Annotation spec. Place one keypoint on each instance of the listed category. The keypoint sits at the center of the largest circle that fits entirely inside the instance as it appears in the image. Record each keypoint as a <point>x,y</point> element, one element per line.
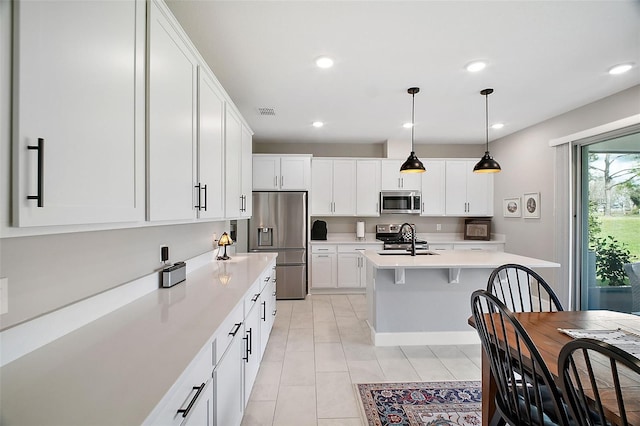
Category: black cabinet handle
<point>235,329</point>
<point>250,342</point>
<point>264,311</point>
<point>40,149</point>
<point>255,297</point>
<point>185,411</point>
<point>246,357</point>
<point>200,205</point>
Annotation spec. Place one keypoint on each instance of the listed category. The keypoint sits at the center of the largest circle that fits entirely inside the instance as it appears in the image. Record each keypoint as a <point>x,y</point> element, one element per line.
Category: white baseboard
<point>26,337</point>
<point>424,338</point>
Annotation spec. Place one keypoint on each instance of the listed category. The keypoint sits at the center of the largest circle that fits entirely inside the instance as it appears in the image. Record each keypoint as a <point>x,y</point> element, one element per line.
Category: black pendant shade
<point>413,164</point>
<point>487,164</point>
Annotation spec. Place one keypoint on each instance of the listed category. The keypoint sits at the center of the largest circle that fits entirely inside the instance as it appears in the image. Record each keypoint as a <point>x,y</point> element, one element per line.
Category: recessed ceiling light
<point>497,126</point>
<point>407,125</point>
<point>324,62</point>
<point>476,66</point>
<point>620,69</point>
<point>317,124</point>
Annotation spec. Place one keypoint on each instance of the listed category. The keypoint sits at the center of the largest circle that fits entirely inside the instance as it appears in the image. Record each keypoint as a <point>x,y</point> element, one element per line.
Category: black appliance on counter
<point>393,239</point>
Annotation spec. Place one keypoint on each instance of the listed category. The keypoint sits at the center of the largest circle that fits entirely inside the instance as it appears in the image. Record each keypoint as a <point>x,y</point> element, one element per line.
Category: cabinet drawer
<point>350,248</point>
<point>224,335</point>
<point>324,248</point>
<point>252,296</point>
<point>186,392</point>
<point>486,247</point>
<point>440,246</point>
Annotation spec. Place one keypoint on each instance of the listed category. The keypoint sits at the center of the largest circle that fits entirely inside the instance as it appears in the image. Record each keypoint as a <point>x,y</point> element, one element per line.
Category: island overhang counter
<point>425,299</point>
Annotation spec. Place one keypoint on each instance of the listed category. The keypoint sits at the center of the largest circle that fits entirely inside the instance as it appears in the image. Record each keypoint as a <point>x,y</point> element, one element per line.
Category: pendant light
<point>487,164</point>
<point>413,164</point>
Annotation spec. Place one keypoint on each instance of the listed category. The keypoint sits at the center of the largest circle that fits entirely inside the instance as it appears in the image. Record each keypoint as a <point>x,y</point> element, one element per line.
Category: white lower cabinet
<point>267,310</point>
<point>324,266</point>
<point>352,265</point>
<point>189,400</point>
<point>251,355</point>
<point>228,399</point>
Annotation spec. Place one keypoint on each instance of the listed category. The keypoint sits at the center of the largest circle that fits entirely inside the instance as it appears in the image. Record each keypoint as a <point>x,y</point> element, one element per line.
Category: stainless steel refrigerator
<point>279,224</point>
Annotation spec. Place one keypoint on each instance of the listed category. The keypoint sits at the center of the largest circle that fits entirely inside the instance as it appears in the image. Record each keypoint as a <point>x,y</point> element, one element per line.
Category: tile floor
<point>320,347</point>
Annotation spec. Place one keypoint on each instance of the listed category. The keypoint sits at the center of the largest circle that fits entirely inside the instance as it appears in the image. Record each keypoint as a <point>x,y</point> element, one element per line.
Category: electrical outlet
<point>438,227</point>
<point>164,253</point>
<point>4,295</point>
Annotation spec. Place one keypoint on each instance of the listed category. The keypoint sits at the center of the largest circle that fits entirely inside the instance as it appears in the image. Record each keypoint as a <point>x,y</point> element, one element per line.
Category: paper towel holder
<point>360,230</point>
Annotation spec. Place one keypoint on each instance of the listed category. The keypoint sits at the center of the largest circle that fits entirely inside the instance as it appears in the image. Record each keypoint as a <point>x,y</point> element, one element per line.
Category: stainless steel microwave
<point>400,202</point>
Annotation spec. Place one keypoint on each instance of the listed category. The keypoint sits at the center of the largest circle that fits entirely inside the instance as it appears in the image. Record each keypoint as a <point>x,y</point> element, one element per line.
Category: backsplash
<point>423,224</point>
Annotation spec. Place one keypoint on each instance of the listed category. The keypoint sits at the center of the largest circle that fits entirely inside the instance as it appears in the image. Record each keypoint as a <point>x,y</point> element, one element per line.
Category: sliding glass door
<point>609,222</point>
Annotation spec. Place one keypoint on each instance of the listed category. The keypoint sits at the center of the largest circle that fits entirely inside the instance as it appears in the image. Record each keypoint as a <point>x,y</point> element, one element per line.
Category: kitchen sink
<point>406,253</point>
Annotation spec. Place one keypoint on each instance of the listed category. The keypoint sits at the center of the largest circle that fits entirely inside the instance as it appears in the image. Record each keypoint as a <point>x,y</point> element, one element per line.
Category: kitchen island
<point>425,299</point>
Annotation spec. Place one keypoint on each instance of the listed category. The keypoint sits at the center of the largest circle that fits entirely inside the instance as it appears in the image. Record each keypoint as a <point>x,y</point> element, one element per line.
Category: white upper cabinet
<point>333,187</point>
<point>281,173</point>
<point>368,187</point>
<point>468,193</point>
<point>172,120</point>
<point>392,179</point>
<point>210,185</point>
<point>79,87</point>
<point>433,188</point>
<point>238,169</point>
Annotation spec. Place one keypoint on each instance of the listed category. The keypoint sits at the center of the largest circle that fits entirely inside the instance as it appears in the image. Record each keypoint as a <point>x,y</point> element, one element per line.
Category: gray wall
<point>529,164</point>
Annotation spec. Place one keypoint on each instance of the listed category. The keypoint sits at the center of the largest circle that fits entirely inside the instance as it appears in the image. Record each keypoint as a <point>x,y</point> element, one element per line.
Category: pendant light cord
<point>486,110</point>
<point>413,117</point>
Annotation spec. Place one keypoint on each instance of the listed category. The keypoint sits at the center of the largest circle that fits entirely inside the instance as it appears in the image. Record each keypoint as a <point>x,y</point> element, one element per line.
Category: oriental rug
<point>421,403</point>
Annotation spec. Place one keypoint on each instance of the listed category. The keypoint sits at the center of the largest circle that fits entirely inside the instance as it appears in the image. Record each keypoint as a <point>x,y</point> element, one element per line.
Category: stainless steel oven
<point>400,202</point>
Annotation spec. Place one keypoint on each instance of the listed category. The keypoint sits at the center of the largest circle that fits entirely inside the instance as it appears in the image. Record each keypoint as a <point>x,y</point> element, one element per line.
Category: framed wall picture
<point>511,207</point>
<point>477,229</point>
<point>531,205</point>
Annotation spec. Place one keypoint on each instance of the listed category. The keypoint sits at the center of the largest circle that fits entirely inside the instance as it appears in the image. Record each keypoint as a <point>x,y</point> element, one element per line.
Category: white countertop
<point>436,238</point>
<point>462,259</point>
<point>115,370</point>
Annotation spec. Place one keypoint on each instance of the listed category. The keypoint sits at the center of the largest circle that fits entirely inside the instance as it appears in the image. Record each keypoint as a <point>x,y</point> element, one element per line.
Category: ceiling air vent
<point>267,111</point>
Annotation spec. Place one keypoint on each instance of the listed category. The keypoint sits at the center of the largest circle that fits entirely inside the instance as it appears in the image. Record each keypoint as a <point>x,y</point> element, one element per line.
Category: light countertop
<point>445,259</point>
<point>115,370</point>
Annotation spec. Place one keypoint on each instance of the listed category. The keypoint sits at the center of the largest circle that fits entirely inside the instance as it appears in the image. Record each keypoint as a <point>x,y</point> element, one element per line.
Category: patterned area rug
<point>421,403</point>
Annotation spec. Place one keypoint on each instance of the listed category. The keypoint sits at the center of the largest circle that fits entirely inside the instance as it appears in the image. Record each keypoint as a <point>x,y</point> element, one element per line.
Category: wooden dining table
<point>543,327</point>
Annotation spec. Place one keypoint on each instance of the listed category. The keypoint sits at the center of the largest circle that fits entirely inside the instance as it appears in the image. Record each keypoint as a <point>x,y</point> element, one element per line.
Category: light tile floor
<point>319,347</point>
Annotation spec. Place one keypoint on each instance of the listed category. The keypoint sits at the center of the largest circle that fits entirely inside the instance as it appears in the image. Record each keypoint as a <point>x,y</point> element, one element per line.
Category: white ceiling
<point>544,58</point>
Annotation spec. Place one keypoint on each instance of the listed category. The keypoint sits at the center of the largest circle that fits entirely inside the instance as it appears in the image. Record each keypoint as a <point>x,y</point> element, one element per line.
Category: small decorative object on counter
<point>174,274</point>
<point>319,230</point>
<point>224,241</point>
<point>477,229</point>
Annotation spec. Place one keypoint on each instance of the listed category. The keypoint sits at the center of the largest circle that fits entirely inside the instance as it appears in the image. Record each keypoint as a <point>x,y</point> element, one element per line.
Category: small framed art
<point>477,229</point>
<point>511,207</point>
<point>531,205</point>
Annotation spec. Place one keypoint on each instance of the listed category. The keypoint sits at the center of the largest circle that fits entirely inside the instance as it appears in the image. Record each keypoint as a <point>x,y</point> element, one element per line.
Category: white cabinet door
<point>210,149</point>
<point>392,179</point>
<point>467,193</point>
<point>368,187</point>
<point>246,184</point>
<point>479,192</point>
<point>344,187</point>
<point>251,355</point>
<point>266,173</point>
<point>233,165</point>
<point>323,270</point>
<point>349,269</point>
<point>322,188</point>
<point>295,173</point>
<point>228,385</point>
<point>88,108</point>
<point>433,188</point>
<point>172,130</point>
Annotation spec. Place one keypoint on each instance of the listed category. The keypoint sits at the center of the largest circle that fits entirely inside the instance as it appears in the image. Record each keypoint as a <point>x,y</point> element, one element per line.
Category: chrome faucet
<point>413,236</point>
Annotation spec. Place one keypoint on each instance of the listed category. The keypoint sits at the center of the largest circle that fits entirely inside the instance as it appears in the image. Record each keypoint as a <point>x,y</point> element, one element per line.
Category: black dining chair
<point>526,391</point>
<point>522,289</point>
<point>585,386</point>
